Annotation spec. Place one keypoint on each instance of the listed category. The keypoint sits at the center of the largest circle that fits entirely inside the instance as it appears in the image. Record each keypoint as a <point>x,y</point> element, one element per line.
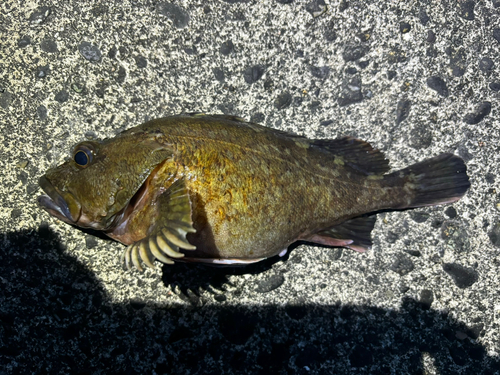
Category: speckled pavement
<point>414,78</point>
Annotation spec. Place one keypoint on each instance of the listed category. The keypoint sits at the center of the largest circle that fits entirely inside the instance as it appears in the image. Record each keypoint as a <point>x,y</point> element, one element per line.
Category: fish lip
<point>54,203</point>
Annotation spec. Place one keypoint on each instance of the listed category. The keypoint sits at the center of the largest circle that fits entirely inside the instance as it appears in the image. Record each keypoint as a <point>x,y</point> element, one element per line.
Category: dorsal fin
<point>356,153</point>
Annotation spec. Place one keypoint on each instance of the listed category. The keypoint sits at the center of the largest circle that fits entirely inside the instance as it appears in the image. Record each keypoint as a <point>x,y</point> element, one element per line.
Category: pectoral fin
<point>169,233</point>
<point>354,234</point>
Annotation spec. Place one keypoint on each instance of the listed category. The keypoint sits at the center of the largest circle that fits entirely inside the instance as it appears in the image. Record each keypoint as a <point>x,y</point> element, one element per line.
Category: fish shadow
<point>55,317</point>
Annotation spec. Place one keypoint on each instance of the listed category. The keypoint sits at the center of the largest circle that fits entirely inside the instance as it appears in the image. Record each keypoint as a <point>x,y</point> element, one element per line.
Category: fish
<point>217,189</point>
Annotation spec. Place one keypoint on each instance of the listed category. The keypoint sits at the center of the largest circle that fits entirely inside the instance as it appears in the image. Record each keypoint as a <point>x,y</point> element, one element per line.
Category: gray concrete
<point>424,300</point>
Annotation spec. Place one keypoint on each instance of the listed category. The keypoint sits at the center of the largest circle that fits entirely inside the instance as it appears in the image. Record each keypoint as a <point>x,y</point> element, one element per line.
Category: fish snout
<point>62,205</point>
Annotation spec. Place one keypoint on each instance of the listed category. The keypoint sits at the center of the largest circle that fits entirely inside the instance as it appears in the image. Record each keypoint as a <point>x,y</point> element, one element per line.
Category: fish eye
<point>83,156</point>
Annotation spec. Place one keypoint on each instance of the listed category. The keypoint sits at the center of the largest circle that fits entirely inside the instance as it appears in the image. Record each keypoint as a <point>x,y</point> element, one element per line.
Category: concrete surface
<point>414,78</point>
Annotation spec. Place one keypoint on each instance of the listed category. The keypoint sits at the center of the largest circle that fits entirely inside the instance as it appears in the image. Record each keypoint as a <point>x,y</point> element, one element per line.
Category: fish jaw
<point>62,205</point>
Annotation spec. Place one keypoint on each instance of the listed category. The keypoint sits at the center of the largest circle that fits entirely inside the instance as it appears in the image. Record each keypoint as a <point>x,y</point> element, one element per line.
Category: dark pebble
<point>413,253</point>
<point>219,74</point>
<point>48,45</point>
<point>41,111</point>
<point>330,35</point>
<point>42,71</point>
<point>431,36</point>
<point>15,213</point>
<point>283,101</point>
<point>226,48</point>
<point>426,299</point>
<point>179,16</point>
<point>92,135</point>
<point>402,110</point>
<point>363,64</point>
<point>486,64</point>
<point>253,74</point>
<point>495,86</point>
<point>391,74</point>
<point>122,74</point>
<point>350,93</point>
<point>451,212</point>
<point>402,265</point>
<point>112,52</point>
<point>257,118</point>
<point>270,283</point>
<point>351,70</point>
<point>90,52</point>
<point>496,3</point>
<point>438,84</point>
<point>458,62</point>
<point>490,178</point>
<point>40,15</point>
<point>316,8</point>
<point>496,34</point>
<point>404,27</point>
<point>285,1</point>
<point>466,10</point>
<point>141,61</point>
<point>220,297</point>
<point>137,304</point>
<point>5,99</point>
<point>436,223</point>
<point>326,122</point>
<point>24,41</point>
<point>420,217</point>
<point>479,114</point>
<point>420,137</point>
<point>423,16</point>
<point>62,96</point>
<point>320,71</point>
<point>353,53</point>
<point>123,51</point>
<point>494,235</point>
<point>392,237</point>
<point>463,277</point>
<point>344,4</point>
<point>90,242</point>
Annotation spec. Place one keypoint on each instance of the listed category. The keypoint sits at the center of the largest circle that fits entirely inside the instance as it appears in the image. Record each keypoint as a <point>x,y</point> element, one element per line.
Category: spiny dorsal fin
<point>358,154</point>
<point>169,233</point>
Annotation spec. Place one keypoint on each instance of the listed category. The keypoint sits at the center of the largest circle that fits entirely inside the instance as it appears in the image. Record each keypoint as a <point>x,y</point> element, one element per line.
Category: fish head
<point>96,185</point>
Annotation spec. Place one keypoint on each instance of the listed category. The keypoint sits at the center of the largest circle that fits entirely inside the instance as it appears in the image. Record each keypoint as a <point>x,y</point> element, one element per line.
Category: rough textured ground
<point>414,78</point>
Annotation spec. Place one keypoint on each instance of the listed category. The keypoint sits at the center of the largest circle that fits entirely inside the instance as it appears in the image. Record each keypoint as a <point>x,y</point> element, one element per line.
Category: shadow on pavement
<point>56,318</point>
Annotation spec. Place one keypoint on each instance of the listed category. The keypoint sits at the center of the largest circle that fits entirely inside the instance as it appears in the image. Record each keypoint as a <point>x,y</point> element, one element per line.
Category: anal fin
<point>354,234</point>
<point>168,235</point>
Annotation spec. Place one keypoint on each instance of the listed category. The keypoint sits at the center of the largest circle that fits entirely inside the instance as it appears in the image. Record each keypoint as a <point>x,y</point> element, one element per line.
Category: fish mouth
<point>63,205</point>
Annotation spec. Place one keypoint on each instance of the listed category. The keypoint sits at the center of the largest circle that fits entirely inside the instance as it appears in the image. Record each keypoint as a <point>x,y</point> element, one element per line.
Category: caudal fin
<point>438,180</point>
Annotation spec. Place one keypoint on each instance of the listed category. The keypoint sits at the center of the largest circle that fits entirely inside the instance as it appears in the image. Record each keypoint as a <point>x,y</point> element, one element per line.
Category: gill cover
<point>103,176</point>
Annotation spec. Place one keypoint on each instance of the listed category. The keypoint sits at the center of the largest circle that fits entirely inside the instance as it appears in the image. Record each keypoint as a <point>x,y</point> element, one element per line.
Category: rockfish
<point>219,190</point>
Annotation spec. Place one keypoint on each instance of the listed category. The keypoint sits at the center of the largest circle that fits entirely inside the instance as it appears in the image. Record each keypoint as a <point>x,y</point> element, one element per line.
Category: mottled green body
<point>255,190</point>
<point>218,188</point>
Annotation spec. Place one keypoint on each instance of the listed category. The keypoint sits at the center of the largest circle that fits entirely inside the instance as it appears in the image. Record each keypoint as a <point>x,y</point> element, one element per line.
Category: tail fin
<point>438,180</point>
